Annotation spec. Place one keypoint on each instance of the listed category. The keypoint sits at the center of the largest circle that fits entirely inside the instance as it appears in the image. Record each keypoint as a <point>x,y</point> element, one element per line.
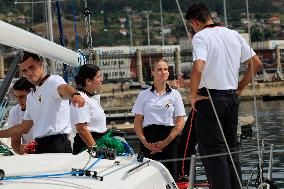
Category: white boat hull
<point>150,175</point>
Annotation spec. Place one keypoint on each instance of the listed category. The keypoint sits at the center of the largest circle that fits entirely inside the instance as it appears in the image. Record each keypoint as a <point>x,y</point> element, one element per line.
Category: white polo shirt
<point>159,109</point>
<point>91,113</point>
<point>15,118</point>
<point>49,112</point>
<point>223,50</point>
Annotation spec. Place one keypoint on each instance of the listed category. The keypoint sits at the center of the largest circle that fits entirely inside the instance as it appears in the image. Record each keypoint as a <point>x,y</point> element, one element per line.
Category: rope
<point>5,151</point>
<point>187,141</point>
<point>107,141</point>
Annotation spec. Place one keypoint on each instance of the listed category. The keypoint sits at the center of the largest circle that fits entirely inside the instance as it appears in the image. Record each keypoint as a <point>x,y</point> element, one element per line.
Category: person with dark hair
<point>21,89</point>
<point>89,122</point>
<point>159,118</point>
<point>47,108</point>
<point>217,55</point>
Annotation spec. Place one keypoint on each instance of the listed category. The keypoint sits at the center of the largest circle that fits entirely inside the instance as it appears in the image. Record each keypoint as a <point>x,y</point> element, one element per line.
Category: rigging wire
<point>260,160</point>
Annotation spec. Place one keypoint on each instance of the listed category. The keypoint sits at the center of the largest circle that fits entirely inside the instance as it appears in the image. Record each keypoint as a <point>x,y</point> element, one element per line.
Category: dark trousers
<point>155,133</point>
<point>191,146</point>
<point>79,144</point>
<point>219,170</point>
<point>53,144</point>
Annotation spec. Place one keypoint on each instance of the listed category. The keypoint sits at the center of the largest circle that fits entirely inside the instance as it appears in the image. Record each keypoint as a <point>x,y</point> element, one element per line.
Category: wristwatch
<point>76,93</point>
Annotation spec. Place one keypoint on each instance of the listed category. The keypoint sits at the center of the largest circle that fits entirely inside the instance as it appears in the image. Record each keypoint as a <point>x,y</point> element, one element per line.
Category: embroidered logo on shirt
<point>40,98</point>
<point>169,103</point>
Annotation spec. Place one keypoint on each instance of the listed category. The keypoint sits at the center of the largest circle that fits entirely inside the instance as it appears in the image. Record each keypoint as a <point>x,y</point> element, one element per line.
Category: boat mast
<point>162,24</point>
<point>247,10</point>
<point>225,13</point>
<point>130,30</point>
<point>148,36</point>
<point>10,75</point>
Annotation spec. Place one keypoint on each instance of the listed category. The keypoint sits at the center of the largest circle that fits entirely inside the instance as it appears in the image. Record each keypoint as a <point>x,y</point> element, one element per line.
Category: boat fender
<point>140,157</point>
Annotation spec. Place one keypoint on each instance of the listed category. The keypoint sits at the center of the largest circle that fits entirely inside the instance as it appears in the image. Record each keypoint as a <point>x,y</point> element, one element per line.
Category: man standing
<point>217,54</point>
<point>47,108</point>
<point>21,89</point>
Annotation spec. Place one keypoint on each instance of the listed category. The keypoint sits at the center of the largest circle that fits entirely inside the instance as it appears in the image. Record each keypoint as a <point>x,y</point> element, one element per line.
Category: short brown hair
<point>158,61</point>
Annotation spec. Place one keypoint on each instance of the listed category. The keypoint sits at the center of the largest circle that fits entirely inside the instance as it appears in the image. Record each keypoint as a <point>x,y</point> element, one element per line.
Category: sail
<point>21,39</point>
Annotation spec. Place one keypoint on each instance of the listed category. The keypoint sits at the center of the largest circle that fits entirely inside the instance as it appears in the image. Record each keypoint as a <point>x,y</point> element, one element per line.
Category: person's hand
<point>179,83</point>
<point>152,148</point>
<point>175,84</point>
<point>23,149</point>
<point>239,92</point>
<point>194,100</point>
<point>160,145</point>
<point>78,101</point>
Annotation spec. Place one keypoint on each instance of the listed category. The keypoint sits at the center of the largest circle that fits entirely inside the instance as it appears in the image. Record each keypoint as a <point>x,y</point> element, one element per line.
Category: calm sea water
<point>271,130</point>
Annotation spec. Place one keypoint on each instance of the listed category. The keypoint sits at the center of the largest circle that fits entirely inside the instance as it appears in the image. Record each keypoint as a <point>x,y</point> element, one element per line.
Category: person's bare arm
<point>16,144</point>
<point>17,130</point>
<point>195,78</point>
<point>85,134</point>
<point>67,92</point>
<point>138,120</point>
<point>254,65</point>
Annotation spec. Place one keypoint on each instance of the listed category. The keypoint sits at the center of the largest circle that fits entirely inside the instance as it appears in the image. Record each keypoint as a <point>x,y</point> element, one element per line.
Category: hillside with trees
<point>111,19</point>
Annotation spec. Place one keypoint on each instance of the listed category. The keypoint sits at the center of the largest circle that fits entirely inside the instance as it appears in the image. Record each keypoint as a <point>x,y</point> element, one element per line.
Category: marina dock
<point>245,123</point>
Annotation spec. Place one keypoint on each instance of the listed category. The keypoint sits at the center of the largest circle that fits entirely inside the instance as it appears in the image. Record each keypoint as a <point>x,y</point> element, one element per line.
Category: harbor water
<point>271,130</point>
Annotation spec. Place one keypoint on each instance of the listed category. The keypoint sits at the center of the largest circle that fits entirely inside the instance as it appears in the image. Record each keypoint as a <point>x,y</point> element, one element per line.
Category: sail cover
<point>21,39</point>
